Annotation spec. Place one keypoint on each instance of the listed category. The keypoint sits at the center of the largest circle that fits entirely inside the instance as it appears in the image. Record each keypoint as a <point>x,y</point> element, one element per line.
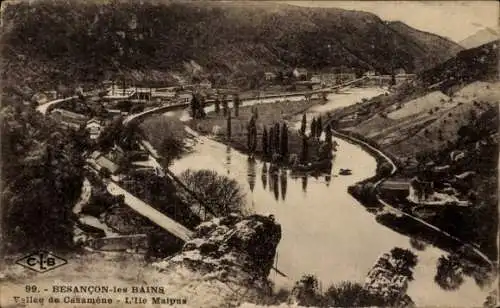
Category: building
<point>184,98</point>
<point>316,79</point>
<point>71,119</point>
<point>104,162</point>
<point>206,84</point>
<point>269,76</point>
<point>94,127</point>
<point>399,71</point>
<point>40,98</point>
<point>112,113</point>
<point>300,73</point>
<point>420,190</point>
<point>369,73</point>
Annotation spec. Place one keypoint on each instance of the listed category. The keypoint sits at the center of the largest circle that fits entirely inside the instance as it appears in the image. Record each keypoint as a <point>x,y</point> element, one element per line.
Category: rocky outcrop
<point>229,256</point>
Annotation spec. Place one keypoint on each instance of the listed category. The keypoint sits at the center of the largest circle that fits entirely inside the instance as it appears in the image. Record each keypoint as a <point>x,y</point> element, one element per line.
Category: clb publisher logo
<point>41,261</point>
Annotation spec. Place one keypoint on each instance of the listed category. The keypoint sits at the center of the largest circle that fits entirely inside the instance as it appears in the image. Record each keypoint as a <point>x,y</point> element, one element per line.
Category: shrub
<point>384,169</point>
<point>350,294</point>
<point>306,291</point>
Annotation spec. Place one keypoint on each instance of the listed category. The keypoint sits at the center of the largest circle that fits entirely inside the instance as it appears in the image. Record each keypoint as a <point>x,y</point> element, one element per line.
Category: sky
<point>455,20</point>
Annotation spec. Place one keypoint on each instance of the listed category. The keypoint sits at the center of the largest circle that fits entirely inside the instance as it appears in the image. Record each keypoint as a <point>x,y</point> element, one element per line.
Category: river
<point>325,231</point>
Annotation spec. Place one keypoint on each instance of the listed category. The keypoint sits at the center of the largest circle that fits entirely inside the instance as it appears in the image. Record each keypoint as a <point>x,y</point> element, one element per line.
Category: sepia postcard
<point>168,153</point>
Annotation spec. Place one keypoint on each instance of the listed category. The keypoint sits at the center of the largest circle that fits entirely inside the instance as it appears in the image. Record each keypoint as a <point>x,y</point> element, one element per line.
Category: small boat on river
<point>345,171</point>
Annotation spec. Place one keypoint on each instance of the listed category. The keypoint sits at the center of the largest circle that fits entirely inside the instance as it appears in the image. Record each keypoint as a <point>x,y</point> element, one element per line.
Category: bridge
<point>164,108</point>
<point>43,109</point>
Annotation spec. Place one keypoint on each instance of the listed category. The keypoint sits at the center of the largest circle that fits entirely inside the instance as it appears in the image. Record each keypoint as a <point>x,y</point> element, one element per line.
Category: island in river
<point>271,138</point>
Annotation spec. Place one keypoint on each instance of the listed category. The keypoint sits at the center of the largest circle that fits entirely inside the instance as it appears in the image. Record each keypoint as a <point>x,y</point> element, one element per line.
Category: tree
<point>255,112</point>
<point>195,106</point>
<point>276,140</point>
<point>349,294</point>
<point>217,105</point>
<point>405,261</point>
<point>384,169</point>
<point>201,108</point>
<point>221,193</point>
<point>319,127</point>
<point>270,141</point>
<point>449,273</point>
<point>303,125</point>
<point>284,141</point>
<point>105,173</point>
<point>236,104</point>
<point>328,135</point>
<point>225,105</point>
<point>251,135</point>
<point>313,127</point>
<point>265,144</point>
<point>40,183</point>
<point>306,291</point>
<point>228,130</point>
<point>304,150</point>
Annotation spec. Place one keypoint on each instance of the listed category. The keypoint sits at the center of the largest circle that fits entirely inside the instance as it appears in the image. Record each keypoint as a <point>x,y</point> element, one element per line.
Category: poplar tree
<point>277,138</point>
<point>195,104</point>
<point>303,154</point>
<point>228,127</point>
<point>236,104</point>
<point>265,144</point>
<point>252,135</point>
<point>319,127</point>
<point>217,105</point>
<point>225,106</point>
<point>313,128</point>
<point>303,125</point>
<point>270,141</point>
<point>284,141</point>
<point>328,134</point>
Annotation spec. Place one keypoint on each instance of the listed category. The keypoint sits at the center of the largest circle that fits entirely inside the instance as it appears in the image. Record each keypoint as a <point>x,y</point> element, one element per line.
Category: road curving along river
<point>325,231</point>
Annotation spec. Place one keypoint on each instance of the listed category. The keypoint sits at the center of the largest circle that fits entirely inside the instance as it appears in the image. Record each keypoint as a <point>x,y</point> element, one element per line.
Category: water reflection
<point>304,183</point>
<point>418,244</point>
<point>451,270</point>
<point>275,185</point>
<point>264,175</point>
<point>228,159</point>
<point>283,183</point>
<point>251,172</point>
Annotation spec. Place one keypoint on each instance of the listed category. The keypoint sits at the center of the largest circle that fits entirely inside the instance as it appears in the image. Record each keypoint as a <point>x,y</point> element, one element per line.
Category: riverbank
<point>445,139</point>
<point>366,192</point>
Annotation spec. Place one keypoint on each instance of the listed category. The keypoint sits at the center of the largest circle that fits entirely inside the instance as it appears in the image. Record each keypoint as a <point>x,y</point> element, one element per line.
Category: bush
<point>384,169</point>
<point>306,291</point>
<point>350,294</point>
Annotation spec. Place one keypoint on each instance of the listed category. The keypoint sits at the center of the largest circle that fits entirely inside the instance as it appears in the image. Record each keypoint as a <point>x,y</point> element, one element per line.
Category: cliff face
<point>226,263</point>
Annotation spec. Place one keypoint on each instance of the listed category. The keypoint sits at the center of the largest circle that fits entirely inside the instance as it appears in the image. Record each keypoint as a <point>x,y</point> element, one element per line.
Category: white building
<point>94,127</point>
<point>184,97</point>
<point>206,84</point>
<point>299,73</point>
